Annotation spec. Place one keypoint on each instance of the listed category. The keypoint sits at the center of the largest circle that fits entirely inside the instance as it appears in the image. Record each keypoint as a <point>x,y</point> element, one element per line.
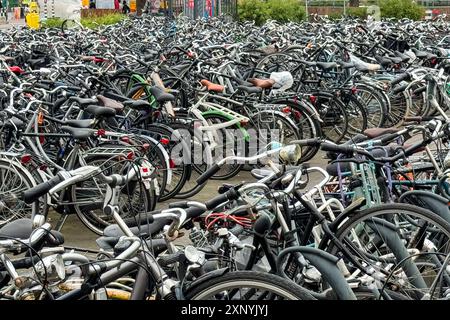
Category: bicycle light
<point>26,158</point>
<point>291,154</point>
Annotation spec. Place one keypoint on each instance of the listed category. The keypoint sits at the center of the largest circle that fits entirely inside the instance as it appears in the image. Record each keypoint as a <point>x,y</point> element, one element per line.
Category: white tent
<point>66,9</point>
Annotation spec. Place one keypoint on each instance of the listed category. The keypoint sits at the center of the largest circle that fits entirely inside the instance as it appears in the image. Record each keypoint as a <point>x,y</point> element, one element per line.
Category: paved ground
<point>12,23</point>
<point>76,234</point>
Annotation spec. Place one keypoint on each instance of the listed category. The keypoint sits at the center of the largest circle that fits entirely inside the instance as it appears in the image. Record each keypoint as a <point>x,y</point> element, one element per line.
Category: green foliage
<point>326,3</point>
<point>95,22</point>
<point>52,23</point>
<point>286,10</point>
<point>280,10</point>
<point>253,10</point>
<point>91,22</point>
<point>335,15</point>
<point>401,9</point>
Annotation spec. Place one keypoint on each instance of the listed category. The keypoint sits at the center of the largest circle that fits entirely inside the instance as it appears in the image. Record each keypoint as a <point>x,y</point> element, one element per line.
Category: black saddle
<point>250,90</point>
<point>78,133</point>
<point>160,95</point>
<point>101,112</point>
<point>82,124</point>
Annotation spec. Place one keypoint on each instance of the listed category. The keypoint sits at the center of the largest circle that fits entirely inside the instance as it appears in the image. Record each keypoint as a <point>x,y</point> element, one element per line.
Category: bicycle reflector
<point>101,132</point>
<point>171,164</point>
<point>130,155</point>
<point>16,69</point>
<point>354,90</point>
<point>26,158</point>
<point>286,110</point>
<point>243,123</point>
<point>125,139</point>
<point>164,141</point>
<point>313,99</point>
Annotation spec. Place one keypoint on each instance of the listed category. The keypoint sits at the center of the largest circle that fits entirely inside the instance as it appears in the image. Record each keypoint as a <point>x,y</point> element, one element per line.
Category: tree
<point>401,9</point>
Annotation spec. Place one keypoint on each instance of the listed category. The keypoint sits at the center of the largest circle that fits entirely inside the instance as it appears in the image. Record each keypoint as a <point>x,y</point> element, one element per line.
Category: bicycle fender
<point>327,266</point>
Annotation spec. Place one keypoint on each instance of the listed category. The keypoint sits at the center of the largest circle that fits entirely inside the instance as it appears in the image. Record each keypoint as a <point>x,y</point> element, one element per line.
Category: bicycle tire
<point>242,279</point>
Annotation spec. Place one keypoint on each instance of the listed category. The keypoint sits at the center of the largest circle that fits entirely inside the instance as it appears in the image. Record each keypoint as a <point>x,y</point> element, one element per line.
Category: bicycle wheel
<point>88,196</point>
<point>399,110</point>
<point>180,171</point>
<point>247,285</point>
<point>332,112</point>
<point>374,104</point>
<point>228,144</point>
<point>308,125</point>
<point>14,180</point>
<point>357,116</point>
<point>390,238</point>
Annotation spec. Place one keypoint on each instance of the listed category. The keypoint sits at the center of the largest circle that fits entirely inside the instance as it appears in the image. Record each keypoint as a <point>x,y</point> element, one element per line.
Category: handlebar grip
<point>38,191</point>
<point>389,137</point>
<point>400,89</point>
<point>179,204</point>
<point>336,148</point>
<point>194,212</point>
<point>231,194</point>
<point>413,119</point>
<point>419,119</point>
<point>208,174</point>
<point>420,90</point>
<point>400,78</point>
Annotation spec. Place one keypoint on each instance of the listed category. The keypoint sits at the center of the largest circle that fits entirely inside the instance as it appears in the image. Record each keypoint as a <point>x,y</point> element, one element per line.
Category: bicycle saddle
<point>101,112</point>
<point>83,101</point>
<point>110,103</point>
<point>249,90</point>
<point>83,124</point>
<point>376,132</point>
<point>262,83</point>
<point>160,95</point>
<point>148,229</point>
<point>23,228</point>
<point>326,66</point>
<point>242,82</point>
<point>346,65</point>
<point>367,67</point>
<point>384,61</point>
<point>396,60</point>
<point>14,123</point>
<point>419,54</point>
<point>404,57</point>
<point>212,86</point>
<point>6,58</point>
<point>77,133</point>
